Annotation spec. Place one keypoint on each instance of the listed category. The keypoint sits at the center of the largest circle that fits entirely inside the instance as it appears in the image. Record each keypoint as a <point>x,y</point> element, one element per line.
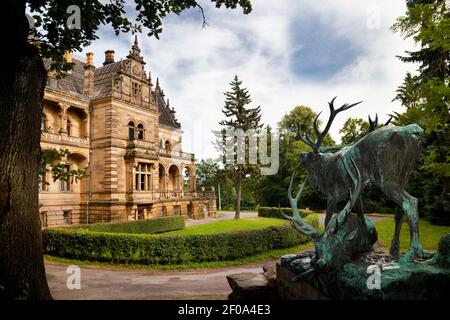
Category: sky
<point>287,53</point>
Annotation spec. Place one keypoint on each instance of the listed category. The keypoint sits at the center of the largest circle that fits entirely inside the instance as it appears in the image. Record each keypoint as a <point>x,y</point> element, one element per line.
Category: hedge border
<point>149,226</point>
<point>151,249</point>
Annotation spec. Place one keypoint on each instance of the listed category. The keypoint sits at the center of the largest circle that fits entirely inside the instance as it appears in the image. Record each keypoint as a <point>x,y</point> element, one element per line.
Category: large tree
<point>426,97</point>
<point>271,190</point>
<point>22,83</point>
<point>240,118</point>
<point>353,130</point>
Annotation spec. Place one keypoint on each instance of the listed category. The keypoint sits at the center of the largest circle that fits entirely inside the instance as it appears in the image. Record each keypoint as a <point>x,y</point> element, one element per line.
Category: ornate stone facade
<point>118,126</point>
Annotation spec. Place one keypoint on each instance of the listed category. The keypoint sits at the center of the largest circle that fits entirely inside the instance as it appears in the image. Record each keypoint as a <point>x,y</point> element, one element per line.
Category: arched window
<point>167,145</point>
<point>131,130</point>
<point>140,129</point>
<point>69,127</point>
<point>44,122</point>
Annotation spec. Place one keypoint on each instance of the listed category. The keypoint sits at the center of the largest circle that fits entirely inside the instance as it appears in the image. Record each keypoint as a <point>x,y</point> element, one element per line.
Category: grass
<point>227,226</point>
<point>429,234</point>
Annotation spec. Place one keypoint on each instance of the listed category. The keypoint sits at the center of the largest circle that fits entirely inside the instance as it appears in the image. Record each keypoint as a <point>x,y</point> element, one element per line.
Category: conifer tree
<point>239,116</point>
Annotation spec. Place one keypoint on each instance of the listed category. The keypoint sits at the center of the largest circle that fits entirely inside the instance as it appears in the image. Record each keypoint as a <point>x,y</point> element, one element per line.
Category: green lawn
<point>429,234</point>
<point>227,226</point>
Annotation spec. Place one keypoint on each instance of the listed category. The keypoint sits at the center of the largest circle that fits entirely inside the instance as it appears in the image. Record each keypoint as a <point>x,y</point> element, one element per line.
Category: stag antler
<point>296,220</point>
<point>373,124</point>
<point>321,135</point>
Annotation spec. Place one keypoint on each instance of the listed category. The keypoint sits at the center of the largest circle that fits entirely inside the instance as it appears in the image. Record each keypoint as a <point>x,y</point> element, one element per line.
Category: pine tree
<point>426,97</point>
<point>238,116</point>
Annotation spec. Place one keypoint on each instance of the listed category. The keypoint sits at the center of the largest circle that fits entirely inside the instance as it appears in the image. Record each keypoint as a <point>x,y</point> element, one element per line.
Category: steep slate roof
<point>103,79</point>
<point>74,82</point>
<point>166,117</point>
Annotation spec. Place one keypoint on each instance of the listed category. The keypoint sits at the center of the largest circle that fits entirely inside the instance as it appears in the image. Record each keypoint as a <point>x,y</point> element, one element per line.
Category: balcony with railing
<point>64,139</point>
<point>140,144</point>
<point>176,154</point>
<point>175,195</point>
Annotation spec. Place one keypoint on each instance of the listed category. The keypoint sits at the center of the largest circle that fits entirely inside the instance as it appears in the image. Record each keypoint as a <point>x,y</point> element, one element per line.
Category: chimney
<point>90,58</point>
<point>68,56</point>
<point>109,57</point>
<point>88,87</point>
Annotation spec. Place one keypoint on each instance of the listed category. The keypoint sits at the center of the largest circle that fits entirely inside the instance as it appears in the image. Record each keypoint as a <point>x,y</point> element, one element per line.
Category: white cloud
<point>195,65</point>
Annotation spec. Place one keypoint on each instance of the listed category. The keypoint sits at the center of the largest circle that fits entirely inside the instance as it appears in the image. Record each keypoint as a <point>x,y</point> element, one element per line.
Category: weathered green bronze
<point>383,158</point>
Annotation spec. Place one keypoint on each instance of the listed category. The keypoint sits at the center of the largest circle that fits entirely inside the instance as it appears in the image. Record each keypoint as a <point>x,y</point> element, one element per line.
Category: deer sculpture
<point>383,158</point>
<point>345,237</point>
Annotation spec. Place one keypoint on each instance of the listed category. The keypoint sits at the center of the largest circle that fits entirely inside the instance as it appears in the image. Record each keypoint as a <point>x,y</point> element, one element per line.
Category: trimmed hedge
<point>151,249</point>
<point>156,225</point>
<point>274,212</point>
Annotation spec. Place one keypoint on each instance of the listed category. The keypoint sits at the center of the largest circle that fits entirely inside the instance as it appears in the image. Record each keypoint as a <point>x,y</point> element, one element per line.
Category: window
<point>65,185</point>
<point>43,186</point>
<point>67,216</point>
<point>43,218</point>
<point>143,177</point>
<point>136,89</point>
<point>131,130</point>
<point>140,129</point>
<point>44,122</point>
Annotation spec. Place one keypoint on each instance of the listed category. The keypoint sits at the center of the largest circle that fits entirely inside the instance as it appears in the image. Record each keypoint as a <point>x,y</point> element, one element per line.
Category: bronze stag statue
<point>384,159</point>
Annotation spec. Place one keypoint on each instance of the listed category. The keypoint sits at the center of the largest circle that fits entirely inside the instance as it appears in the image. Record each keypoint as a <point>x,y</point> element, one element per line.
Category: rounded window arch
<point>167,146</point>
<point>140,129</point>
<point>131,130</point>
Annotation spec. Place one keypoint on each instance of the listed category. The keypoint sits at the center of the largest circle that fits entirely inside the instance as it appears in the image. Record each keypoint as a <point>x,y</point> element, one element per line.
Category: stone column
<point>63,118</point>
<point>85,132</point>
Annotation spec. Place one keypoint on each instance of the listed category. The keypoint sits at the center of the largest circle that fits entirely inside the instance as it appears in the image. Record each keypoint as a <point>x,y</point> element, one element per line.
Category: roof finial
<point>135,40</point>
<point>168,104</point>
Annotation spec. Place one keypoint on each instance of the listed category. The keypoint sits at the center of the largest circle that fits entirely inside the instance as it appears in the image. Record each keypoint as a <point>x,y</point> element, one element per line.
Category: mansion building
<point>119,127</point>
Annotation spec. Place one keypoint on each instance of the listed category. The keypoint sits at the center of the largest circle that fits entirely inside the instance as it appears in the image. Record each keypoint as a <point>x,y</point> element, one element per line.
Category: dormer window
<point>131,130</point>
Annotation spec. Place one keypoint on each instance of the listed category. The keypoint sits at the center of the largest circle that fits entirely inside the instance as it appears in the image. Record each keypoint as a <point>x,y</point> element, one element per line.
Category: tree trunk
<point>237,215</point>
<point>22,83</point>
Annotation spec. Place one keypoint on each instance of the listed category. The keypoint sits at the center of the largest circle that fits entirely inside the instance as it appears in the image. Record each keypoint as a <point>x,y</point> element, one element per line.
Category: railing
<point>61,139</point>
<point>155,195</point>
<point>140,144</point>
<point>176,153</point>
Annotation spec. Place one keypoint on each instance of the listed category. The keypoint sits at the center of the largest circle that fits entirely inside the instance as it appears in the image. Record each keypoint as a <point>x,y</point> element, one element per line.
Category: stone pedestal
<point>369,279</point>
<point>289,290</point>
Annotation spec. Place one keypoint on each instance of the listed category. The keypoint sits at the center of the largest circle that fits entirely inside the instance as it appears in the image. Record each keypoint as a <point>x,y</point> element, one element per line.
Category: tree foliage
<point>353,130</point>
<point>239,119</point>
<point>426,98</point>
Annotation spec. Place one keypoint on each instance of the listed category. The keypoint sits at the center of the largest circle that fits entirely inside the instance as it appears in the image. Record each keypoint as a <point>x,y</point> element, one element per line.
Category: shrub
<point>274,212</point>
<point>156,225</point>
<point>110,247</point>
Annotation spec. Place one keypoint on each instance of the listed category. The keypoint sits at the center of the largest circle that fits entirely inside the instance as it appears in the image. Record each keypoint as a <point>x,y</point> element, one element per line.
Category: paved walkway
<point>222,215</point>
<point>114,284</point>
